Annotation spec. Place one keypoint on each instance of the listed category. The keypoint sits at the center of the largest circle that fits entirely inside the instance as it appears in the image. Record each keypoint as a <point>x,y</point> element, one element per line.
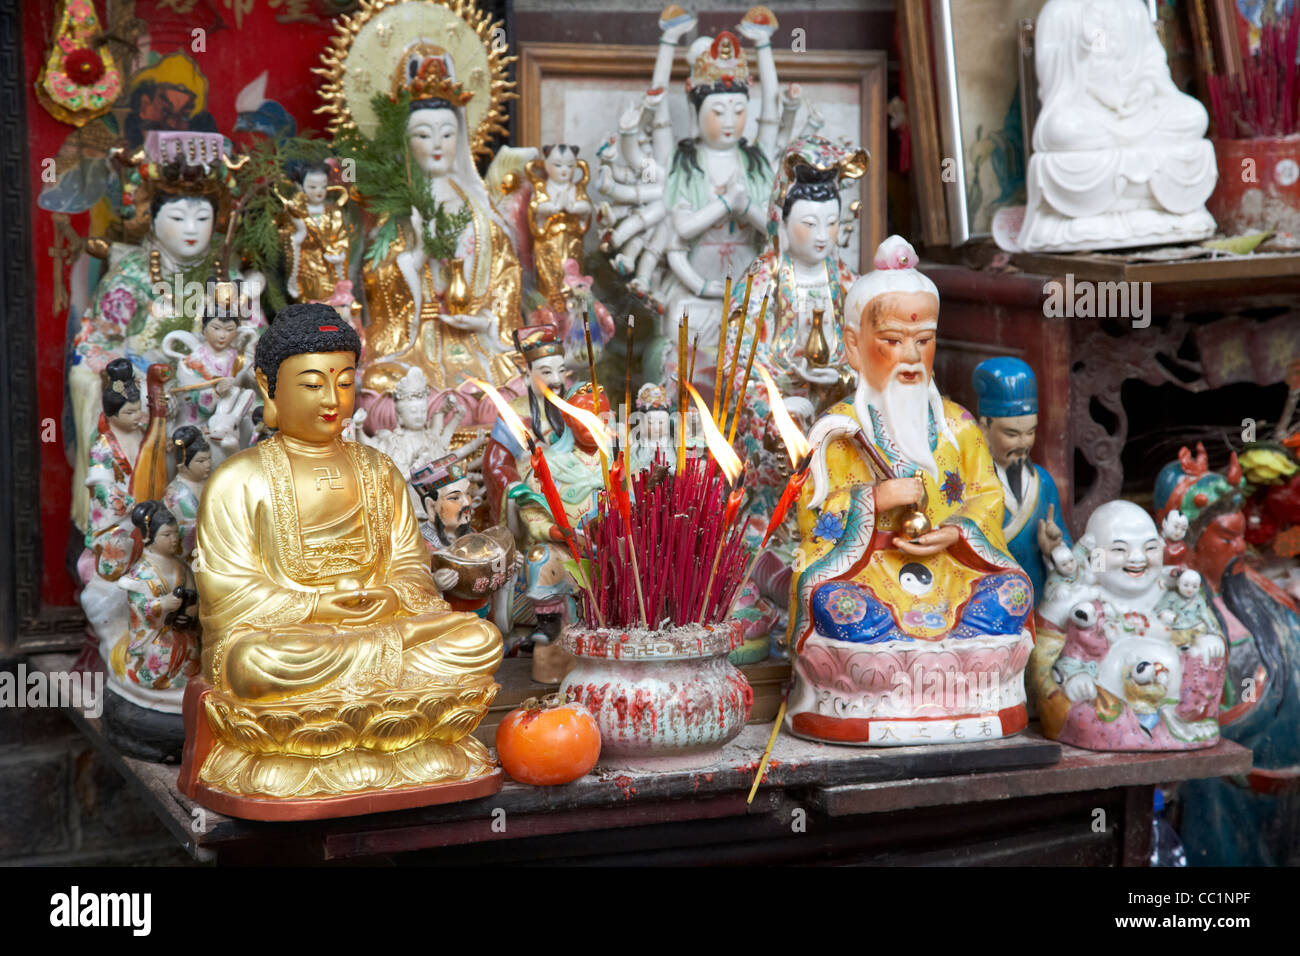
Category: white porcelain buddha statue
<point>1120,156</point>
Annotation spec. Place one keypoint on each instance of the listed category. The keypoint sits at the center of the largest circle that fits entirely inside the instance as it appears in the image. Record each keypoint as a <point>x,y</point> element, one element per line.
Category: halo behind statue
<point>370,51</point>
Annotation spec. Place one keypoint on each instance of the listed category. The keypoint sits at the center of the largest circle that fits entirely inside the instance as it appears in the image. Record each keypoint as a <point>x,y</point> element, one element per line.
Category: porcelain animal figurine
<point>453,318</point>
<point>1238,821</point>
<point>1138,686</point>
<point>193,456</point>
<point>1007,407</point>
<point>336,680</point>
<point>902,635</point>
<point>559,215</point>
<point>172,207</point>
<point>1120,156</point>
<point>150,664</point>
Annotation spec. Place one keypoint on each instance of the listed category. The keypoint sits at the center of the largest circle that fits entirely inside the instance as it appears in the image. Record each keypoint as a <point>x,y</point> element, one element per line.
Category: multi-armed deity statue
<point>716,181</point>
<point>335,678</point>
<point>909,617</point>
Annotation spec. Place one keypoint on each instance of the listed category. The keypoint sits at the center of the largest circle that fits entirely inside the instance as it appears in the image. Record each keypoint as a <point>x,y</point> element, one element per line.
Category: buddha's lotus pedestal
<point>663,700</point>
<point>337,756</point>
<point>904,693</point>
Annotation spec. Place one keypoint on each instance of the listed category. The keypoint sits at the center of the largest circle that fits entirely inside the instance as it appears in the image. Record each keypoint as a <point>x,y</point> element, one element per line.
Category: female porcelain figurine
<point>452,319</point>
<point>193,465</point>
<point>804,277</point>
<point>150,664</point>
<point>127,314</point>
<point>559,215</point>
<point>316,239</point>
<point>718,182</point>
<point>209,371</point>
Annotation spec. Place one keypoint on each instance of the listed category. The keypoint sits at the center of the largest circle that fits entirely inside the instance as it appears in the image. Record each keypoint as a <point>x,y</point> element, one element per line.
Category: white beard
<point>904,412</point>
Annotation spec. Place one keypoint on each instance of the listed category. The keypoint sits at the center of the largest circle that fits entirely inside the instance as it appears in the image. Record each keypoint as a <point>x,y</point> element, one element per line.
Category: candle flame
<point>722,453</point>
<point>598,429</point>
<point>513,422</point>
<point>796,445</point>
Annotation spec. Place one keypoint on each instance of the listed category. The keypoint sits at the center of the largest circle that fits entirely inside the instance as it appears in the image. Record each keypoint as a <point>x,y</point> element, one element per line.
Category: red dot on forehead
<point>331,370</point>
<point>913,316</point>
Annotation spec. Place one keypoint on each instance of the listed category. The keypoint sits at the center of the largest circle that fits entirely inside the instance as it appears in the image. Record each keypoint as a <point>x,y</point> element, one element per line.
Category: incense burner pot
<point>663,699</point>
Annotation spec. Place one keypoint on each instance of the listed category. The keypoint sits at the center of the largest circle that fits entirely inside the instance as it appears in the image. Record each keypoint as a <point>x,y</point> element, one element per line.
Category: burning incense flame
<point>598,429</point>
<point>722,453</point>
<point>507,413</point>
<point>796,445</point>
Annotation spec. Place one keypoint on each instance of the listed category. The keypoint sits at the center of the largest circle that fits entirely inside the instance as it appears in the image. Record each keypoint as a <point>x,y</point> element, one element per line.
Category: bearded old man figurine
<point>880,609</point>
<point>1008,415</point>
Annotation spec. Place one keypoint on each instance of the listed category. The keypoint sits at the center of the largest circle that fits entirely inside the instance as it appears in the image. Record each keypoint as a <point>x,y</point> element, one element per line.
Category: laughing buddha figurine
<point>336,680</point>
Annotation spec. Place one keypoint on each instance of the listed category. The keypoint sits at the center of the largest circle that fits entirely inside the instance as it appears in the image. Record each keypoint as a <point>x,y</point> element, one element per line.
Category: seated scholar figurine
<point>903,638</point>
<point>1120,156</point>
<point>335,679</point>
<point>1106,670</point>
<point>1008,415</point>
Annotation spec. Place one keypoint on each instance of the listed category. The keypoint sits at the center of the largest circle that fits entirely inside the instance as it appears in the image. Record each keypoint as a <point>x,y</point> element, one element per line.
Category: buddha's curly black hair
<point>815,185</point>
<point>302,329</point>
<point>119,370</point>
<point>151,517</point>
<point>188,441</point>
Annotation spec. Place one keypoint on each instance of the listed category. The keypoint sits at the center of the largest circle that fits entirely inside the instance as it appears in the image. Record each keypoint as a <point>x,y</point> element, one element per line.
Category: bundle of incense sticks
<point>1261,99</point>
<point>679,524</point>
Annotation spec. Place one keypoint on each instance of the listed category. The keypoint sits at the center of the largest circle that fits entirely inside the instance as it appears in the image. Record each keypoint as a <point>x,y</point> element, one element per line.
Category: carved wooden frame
<point>923,119</point>
<point>27,624</point>
<point>539,62</point>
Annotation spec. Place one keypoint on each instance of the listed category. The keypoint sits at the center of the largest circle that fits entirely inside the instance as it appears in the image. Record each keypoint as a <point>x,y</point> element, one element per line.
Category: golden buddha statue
<point>336,680</point>
<point>452,317</point>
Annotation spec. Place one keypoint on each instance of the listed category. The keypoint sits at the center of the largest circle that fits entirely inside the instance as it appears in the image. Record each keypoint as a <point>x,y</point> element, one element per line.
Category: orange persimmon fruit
<point>548,742</point>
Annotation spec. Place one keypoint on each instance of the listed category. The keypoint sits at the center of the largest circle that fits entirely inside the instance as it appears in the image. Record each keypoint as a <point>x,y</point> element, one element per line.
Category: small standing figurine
<point>651,436</point>
<point>559,215</point>
<point>1007,396</point>
<point>336,680</point>
<point>316,240</point>
<point>417,437</point>
<point>193,465</point>
<point>207,374</point>
<point>149,665</point>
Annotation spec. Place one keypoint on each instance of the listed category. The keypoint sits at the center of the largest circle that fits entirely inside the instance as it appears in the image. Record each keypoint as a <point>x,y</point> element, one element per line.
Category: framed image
<point>915,39</point>
<point>573,93</point>
<point>981,134</point>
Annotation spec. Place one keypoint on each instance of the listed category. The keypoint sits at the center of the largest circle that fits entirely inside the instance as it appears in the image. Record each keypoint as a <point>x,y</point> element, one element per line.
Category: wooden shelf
<point>1116,267</point>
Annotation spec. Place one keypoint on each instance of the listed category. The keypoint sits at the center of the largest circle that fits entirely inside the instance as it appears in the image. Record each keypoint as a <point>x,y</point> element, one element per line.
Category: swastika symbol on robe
<point>329,476</point>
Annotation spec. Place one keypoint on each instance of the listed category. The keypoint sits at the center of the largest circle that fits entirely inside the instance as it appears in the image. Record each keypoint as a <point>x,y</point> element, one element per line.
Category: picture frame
<point>555,77</point>
<point>915,39</point>
<point>981,135</point>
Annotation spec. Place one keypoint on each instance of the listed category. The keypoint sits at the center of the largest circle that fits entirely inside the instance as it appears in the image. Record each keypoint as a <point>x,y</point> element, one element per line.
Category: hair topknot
<point>301,329</point>
<point>150,517</point>
<point>120,388</point>
<point>188,441</point>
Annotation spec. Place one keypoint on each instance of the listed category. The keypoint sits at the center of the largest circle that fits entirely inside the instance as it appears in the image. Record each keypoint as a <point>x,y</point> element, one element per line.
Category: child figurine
<point>1183,609</point>
<point>206,381</point>
<point>315,238</point>
<point>559,215</point>
<point>193,465</point>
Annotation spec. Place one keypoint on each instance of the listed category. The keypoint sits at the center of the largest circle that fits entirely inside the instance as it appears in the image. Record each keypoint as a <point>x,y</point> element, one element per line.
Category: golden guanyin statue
<point>453,317</point>
<point>336,680</point>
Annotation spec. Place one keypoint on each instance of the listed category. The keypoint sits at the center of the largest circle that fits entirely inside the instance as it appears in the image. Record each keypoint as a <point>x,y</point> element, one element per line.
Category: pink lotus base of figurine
<point>905,693</point>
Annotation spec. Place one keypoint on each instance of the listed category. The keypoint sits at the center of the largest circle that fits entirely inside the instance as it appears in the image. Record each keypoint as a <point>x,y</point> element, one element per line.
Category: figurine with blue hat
<point>1008,415</point>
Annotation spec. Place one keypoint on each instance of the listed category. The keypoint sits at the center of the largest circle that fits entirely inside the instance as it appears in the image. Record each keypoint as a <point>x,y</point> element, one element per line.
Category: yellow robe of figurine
<point>447,354</point>
<point>844,540</point>
<point>259,571</point>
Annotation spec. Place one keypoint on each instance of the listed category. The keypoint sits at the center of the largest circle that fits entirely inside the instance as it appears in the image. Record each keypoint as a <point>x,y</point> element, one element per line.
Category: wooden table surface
<point>827,783</point>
